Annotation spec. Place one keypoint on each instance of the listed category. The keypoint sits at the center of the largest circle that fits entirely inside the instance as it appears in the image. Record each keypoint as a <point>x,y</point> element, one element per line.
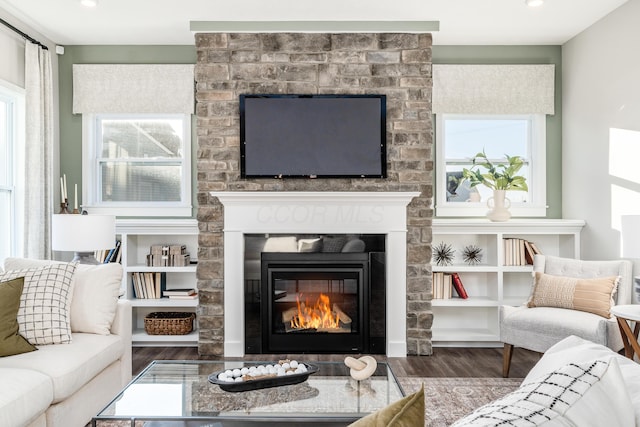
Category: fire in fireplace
<point>316,302</point>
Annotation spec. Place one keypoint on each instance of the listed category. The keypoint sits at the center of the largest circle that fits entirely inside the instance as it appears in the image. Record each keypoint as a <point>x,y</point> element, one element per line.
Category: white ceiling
<point>472,22</point>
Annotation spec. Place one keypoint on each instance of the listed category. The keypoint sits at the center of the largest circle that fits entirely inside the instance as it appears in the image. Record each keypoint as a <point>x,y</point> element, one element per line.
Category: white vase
<point>499,206</point>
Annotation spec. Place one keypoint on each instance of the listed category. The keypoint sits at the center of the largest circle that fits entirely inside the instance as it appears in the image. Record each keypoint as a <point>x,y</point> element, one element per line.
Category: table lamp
<point>83,234</point>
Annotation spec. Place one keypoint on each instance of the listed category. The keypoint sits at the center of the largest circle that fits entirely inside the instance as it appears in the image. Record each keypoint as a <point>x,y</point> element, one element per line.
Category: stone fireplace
<point>396,65</point>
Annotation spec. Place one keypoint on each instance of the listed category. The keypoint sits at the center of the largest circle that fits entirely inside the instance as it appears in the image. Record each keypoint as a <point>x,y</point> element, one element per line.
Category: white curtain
<point>38,152</point>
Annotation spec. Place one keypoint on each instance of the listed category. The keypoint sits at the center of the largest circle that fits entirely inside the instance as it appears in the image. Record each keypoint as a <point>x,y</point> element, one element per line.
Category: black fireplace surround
<point>317,303</point>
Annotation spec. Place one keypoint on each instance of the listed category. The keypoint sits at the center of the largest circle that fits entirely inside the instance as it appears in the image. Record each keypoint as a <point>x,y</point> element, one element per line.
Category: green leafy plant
<point>499,176</point>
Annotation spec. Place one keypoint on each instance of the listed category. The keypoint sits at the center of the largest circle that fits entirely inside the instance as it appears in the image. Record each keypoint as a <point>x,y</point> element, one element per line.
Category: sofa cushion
<point>70,366</point>
<point>25,394</point>
<point>95,293</point>
<point>578,350</point>
<point>333,244</point>
<point>281,244</point>
<point>11,342</point>
<point>591,295</point>
<point>44,314</point>
<point>542,327</point>
<point>576,394</point>
<point>310,245</point>
<point>406,412</point>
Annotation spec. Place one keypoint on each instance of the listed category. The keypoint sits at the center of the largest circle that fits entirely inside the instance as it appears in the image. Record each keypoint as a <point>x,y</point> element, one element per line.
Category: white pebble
<point>290,373</point>
<point>229,372</point>
<point>293,364</point>
<point>286,365</point>
<point>252,369</point>
<point>222,376</point>
<point>229,379</point>
<point>302,365</point>
<point>237,373</point>
<point>281,372</point>
<point>239,380</point>
<point>244,371</point>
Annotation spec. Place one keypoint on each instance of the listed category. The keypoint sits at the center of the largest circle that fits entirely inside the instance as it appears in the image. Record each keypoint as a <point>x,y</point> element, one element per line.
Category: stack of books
<point>187,293</point>
<point>168,255</point>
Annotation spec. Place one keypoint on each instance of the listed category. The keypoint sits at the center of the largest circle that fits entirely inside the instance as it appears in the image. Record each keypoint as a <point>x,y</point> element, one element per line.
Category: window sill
<point>481,209</point>
<point>147,211</point>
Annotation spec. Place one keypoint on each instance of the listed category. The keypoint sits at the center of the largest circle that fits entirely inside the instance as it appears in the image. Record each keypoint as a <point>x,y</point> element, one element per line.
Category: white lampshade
<point>83,233</point>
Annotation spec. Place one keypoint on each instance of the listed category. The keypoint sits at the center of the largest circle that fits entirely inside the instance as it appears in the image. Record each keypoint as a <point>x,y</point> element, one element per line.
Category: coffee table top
<point>180,390</point>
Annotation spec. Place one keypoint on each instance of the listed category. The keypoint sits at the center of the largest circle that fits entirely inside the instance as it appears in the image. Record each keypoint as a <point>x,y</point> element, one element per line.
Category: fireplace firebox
<point>322,303</point>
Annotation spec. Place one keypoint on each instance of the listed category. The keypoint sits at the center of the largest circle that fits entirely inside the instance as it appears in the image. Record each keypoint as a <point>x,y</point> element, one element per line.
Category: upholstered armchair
<point>538,328</point>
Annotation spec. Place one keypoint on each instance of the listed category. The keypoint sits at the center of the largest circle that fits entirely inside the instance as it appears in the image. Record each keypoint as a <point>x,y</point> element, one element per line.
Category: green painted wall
<point>71,125</point>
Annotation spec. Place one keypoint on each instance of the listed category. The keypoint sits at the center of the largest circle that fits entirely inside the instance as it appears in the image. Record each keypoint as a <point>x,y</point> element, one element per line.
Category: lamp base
<point>84,258</point>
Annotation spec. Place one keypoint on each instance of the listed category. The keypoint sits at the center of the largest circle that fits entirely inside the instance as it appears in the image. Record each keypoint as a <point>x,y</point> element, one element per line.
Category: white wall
<point>601,129</point>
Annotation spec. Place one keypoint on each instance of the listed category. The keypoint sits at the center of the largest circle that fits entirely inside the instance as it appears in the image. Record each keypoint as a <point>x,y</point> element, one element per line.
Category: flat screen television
<point>313,136</point>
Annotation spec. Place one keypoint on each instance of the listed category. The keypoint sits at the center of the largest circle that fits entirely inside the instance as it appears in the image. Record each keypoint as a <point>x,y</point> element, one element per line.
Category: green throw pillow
<point>11,342</point>
<point>406,412</point>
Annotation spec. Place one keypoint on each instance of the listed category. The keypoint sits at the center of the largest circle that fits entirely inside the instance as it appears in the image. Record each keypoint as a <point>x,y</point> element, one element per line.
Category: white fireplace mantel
<point>315,212</point>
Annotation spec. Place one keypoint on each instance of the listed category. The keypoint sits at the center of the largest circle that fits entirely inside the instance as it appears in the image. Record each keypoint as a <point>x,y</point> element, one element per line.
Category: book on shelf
<point>147,285</point>
<point>104,256</point>
<point>179,292</point>
<point>519,251</point>
<point>182,297</point>
<point>458,286</point>
<point>441,285</point>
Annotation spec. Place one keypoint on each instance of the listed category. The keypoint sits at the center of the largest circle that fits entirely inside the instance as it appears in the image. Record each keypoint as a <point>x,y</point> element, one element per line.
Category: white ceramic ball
<point>293,364</point>
<point>237,373</point>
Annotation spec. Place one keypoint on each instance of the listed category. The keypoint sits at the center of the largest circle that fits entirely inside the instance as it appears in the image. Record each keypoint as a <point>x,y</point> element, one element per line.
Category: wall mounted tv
<point>313,136</point>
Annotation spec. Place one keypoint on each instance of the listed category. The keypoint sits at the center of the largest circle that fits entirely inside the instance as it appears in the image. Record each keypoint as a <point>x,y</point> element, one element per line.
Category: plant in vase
<point>500,177</point>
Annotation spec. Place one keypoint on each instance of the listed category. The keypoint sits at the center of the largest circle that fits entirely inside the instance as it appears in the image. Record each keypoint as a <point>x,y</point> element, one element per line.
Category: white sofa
<point>576,383</point>
<point>66,384</point>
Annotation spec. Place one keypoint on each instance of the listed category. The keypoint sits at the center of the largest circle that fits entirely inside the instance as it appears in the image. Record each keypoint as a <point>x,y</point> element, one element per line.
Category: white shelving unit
<point>474,321</point>
<point>137,236</point>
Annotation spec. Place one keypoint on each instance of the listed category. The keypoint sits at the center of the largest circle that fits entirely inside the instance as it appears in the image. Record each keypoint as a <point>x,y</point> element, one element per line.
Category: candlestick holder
<point>75,211</point>
<point>64,207</point>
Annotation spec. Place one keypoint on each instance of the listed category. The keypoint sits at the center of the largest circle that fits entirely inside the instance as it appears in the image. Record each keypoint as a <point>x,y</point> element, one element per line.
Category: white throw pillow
<point>281,244</point>
<point>586,394</point>
<point>310,245</point>
<point>95,297</point>
<point>95,293</point>
<point>44,313</point>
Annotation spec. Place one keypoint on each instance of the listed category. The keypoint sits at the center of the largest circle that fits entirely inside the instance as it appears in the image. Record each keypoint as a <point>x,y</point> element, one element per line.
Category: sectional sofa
<point>66,384</point>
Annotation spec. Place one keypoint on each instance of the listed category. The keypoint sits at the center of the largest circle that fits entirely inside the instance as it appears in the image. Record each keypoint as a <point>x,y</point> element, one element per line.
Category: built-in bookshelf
<point>137,238</point>
<point>500,278</point>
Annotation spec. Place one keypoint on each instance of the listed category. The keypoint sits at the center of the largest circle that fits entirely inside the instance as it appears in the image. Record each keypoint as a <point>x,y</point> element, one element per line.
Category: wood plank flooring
<point>444,362</point>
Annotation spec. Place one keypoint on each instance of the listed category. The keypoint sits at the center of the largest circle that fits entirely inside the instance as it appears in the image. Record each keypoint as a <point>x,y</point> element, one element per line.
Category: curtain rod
<point>24,35</point>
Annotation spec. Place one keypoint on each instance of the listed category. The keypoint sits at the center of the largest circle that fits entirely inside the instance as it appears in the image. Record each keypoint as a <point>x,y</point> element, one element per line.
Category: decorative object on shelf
<point>169,323</point>
<point>472,254</point>
<point>361,368</point>
<point>443,254</point>
<point>83,234</point>
<point>500,177</point>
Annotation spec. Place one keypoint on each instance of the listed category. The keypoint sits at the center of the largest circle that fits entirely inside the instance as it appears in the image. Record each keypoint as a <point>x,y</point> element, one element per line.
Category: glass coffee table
<point>179,394</point>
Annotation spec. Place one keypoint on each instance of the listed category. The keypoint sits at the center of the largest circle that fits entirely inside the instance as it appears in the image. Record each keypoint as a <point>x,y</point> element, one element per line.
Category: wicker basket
<point>169,323</point>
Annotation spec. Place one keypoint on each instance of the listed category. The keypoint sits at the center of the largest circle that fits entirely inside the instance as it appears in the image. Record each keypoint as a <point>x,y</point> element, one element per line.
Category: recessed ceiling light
<point>534,3</point>
<point>89,3</point>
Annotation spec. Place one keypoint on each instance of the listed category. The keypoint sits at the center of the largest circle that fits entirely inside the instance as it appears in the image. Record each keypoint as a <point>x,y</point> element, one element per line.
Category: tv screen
<point>316,136</point>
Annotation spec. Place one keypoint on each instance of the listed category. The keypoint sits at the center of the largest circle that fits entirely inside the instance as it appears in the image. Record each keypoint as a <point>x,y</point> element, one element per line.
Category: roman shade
<point>493,89</point>
<point>133,88</point>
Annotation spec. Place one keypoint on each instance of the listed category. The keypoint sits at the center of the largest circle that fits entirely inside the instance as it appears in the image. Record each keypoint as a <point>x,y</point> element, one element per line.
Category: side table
<point>625,314</point>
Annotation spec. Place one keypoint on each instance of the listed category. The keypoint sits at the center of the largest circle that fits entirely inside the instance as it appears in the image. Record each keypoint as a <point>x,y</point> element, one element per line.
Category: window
<point>11,130</point>
<point>460,136</point>
<point>137,164</point>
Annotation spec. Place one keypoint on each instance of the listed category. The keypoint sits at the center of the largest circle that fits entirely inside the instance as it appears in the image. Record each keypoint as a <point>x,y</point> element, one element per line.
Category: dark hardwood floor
<point>444,362</point>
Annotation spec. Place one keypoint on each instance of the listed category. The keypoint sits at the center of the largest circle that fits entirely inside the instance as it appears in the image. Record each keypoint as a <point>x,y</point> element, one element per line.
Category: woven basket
<point>169,323</point>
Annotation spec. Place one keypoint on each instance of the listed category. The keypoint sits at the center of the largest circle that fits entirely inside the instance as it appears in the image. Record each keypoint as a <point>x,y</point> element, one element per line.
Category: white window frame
<point>537,207</point>
<point>91,178</point>
<point>15,98</point>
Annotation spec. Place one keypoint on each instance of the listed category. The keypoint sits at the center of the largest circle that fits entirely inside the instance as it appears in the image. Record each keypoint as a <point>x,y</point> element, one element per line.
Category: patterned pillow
<point>590,393</point>
<point>590,295</point>
<point>44,314</point>
<point>333,244</point>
